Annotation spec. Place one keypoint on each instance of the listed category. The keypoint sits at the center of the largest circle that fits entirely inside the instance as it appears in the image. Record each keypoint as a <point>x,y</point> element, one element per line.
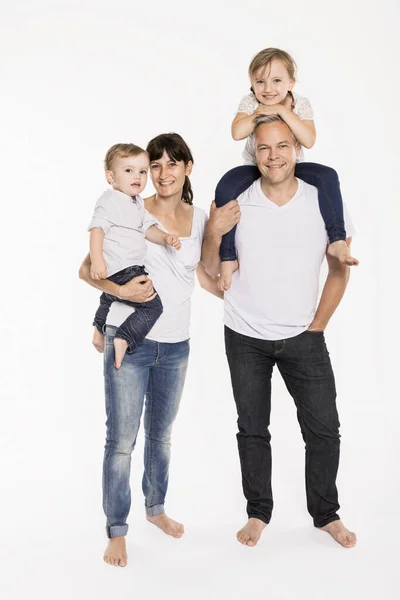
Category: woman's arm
<point>134,290</point>
<point>207,282</point>
<point>334,288</point>
<point>242,126</point>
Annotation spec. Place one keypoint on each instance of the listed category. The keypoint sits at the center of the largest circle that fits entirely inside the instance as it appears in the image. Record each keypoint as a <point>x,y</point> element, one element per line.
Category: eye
<point>283,146</point>
<point>128,170</point>
<point>143,172</point>
<point>172,164</point>
<point>260,81</point>
<point>277,80</point>
<point>155,166</point>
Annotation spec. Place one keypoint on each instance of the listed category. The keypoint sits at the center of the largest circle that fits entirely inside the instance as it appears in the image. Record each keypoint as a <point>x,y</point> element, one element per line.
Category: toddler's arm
<point>157,236</point>
<point>98,269</point>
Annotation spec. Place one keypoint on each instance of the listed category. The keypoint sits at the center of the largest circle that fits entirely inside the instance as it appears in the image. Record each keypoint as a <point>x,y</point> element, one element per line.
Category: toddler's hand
<point>173,240</point>
<point>98,270</point>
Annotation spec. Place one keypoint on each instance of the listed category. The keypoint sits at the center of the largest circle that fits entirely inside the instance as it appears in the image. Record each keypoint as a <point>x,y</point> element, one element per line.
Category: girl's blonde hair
<point>121,151</point>
<point>266,56</point>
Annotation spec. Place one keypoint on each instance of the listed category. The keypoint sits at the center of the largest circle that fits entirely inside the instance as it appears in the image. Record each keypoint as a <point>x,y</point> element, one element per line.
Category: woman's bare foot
<point>341,251</point>
<point>115,553</point>
<point>251,532</point>
<point>98,340</point>
<point>343,536</point>
<point>225,279</point>
<point>167,525</point>
<point>120,347</point>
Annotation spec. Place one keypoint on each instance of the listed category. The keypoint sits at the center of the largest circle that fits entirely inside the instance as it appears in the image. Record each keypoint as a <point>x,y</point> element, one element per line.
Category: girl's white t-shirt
<point>249,105</point>
<point>172,273</point>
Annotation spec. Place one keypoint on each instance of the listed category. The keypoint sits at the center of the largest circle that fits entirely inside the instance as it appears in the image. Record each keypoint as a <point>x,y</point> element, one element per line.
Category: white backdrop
<point>78,77</point>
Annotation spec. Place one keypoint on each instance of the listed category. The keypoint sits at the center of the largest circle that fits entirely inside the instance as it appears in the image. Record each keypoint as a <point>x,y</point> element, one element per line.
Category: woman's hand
<point>139,289</point>
<point>223,219</point>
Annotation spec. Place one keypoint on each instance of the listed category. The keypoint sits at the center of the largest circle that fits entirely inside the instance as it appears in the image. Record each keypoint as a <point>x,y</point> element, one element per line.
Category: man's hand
<point>98,270</point>
<point>139,289</point>
<point>172,240</point>
<point>223,219</point>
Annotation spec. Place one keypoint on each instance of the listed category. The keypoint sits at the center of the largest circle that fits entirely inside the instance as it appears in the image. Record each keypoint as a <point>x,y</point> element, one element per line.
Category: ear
<point>292,84</point>
<point>110,177</point>
<point>189,168</point>
<point>298,149</point>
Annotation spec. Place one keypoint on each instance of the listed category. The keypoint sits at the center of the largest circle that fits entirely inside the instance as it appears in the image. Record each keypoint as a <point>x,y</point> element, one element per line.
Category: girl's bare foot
<point>225,279</point>
<point>115,553</point>
<point>340,534</point>
<point>98,340</point>
<point>120,347</point>
<point>341,251</point>
<point>167,525</point>
<point>251,532</point>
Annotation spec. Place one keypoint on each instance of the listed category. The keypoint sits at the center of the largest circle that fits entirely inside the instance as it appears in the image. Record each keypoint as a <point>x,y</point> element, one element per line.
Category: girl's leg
<point>326,180</point>
<point>232,184</point>
<point>167,377</point>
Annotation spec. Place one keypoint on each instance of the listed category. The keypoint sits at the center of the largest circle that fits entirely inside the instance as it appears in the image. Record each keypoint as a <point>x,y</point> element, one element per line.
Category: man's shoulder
<point>251,192</point>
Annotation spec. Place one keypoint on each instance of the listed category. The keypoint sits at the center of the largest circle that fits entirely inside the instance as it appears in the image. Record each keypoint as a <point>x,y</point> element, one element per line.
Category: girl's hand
<point>173,240</point>
<point>275,109</point>
<point>98,270</point>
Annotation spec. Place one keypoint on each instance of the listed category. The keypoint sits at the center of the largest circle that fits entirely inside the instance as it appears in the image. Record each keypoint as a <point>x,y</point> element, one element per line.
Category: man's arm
<point>208,283</point>
<point>334,288</point>
<point>220,222</point>
<point>134,290</point>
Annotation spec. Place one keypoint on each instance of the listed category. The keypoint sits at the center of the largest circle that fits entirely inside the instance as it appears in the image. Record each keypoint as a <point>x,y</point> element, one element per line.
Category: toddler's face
<point>272,83</point>
<point>129,175</point>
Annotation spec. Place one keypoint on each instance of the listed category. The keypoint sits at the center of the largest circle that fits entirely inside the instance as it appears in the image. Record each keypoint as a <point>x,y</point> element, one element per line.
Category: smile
<point>166,183</point>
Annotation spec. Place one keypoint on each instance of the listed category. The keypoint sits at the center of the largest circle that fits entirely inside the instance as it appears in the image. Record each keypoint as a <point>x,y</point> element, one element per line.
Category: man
<point>271,318</point>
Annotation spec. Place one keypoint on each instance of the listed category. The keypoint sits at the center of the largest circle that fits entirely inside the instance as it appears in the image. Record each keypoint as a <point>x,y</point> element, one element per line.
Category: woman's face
<point>168,175</point>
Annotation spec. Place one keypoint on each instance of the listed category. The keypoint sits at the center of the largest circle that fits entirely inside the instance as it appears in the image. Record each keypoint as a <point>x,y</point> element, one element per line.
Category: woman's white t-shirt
<point>172,273</point>
<point>249,104</point>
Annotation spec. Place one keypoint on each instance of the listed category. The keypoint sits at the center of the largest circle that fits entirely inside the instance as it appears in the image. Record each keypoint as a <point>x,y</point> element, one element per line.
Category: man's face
<point>276,152</point>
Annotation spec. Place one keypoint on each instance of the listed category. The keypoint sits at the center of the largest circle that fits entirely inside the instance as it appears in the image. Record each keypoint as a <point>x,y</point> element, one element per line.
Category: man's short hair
<point>261,119</point>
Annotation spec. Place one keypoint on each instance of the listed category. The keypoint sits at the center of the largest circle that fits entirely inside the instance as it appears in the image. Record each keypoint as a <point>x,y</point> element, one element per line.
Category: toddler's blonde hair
<point>266,56</point>
<point>121,151</point>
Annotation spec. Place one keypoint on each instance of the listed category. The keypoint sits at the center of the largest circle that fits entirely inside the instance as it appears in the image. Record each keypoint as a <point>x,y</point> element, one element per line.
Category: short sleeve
<point>304,109</point>
<point>248,104</point>
<point>106,214</point>
<point>148,221</point>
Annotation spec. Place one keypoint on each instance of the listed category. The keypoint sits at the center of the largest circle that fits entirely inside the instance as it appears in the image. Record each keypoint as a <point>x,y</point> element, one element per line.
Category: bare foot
<point>98,340</point>
<point>343,536</point>
<point>120,347</point>
<point>341,251</point>
<point>168,526</point>
<point>251,532</point>
<point>115,553</point>
<point>225,279</point>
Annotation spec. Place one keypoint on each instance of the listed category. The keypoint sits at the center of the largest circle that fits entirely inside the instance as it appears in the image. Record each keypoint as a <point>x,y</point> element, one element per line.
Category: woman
<point>158,367</point>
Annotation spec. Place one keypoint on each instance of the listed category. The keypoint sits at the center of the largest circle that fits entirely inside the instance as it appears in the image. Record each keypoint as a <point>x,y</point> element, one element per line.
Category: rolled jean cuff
<point>337,237</point>
<point>153,511</point>
<point>230,258</point>
<point>262,518</point>
<point>116,530</point>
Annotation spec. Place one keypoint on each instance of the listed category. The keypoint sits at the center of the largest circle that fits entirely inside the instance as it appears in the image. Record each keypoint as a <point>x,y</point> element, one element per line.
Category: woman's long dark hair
<point>177,149</point>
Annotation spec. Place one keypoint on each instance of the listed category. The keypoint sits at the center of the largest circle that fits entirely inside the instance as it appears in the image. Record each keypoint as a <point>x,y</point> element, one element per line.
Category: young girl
<point>272,75</point>
<point>117,245</point>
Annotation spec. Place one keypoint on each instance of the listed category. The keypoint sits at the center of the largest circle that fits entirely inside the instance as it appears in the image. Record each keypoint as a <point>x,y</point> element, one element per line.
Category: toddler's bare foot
<point>167,525</point>
<point>225,279</point>
<point>120,347</point>
<point>98,340</point>
<point>341,251</point>
<point>115,553</point>
<point>340,534</point>
<point>251,532</point>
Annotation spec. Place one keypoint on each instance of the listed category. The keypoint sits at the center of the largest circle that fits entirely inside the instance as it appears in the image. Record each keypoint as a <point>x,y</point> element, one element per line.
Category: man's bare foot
<point>120,347</point>
<point>341,251</point>
<point>98,340</point>
<point>115,553</point>
<point>251,532</point>
<point>168,526</point>
<point>225,279</point>
<point>343,536</point>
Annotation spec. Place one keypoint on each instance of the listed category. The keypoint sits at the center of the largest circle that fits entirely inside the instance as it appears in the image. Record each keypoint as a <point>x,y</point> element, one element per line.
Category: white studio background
<point>76,78</point>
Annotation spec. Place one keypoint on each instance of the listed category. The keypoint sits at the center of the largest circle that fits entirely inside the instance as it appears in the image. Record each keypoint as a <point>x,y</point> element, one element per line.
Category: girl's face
<point>272,83</point>
<point>168,175</point>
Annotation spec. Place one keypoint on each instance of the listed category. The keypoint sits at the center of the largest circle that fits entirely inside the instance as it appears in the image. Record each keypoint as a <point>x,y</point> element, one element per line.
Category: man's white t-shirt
<point>274,292</point>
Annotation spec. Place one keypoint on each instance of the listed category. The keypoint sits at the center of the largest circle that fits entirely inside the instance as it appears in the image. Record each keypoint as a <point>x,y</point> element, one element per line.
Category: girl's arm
<point>98,269</point>
<point>207,282</point>
<point>304,130</point>
<point>242,126</point>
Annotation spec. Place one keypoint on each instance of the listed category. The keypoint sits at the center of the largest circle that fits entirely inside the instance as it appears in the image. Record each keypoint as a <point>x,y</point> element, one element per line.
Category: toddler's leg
<point>100,320</point>
<point>135,328</point>
<point>98,340</point>
<point>330,201</point>
<point>232,184</point>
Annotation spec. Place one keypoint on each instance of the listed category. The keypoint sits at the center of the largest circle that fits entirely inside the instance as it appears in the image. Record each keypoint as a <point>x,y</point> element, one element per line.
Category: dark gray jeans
<point>305,366</point>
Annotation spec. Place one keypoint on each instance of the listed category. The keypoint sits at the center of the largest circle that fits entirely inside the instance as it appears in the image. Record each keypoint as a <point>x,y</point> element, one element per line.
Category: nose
<point>163,172</point>
<point>267,86</point>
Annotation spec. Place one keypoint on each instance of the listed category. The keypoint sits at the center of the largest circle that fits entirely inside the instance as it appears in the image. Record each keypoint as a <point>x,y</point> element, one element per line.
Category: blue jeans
<point>325,179</point>
<point>135,328</point>
<point>156,371</point>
